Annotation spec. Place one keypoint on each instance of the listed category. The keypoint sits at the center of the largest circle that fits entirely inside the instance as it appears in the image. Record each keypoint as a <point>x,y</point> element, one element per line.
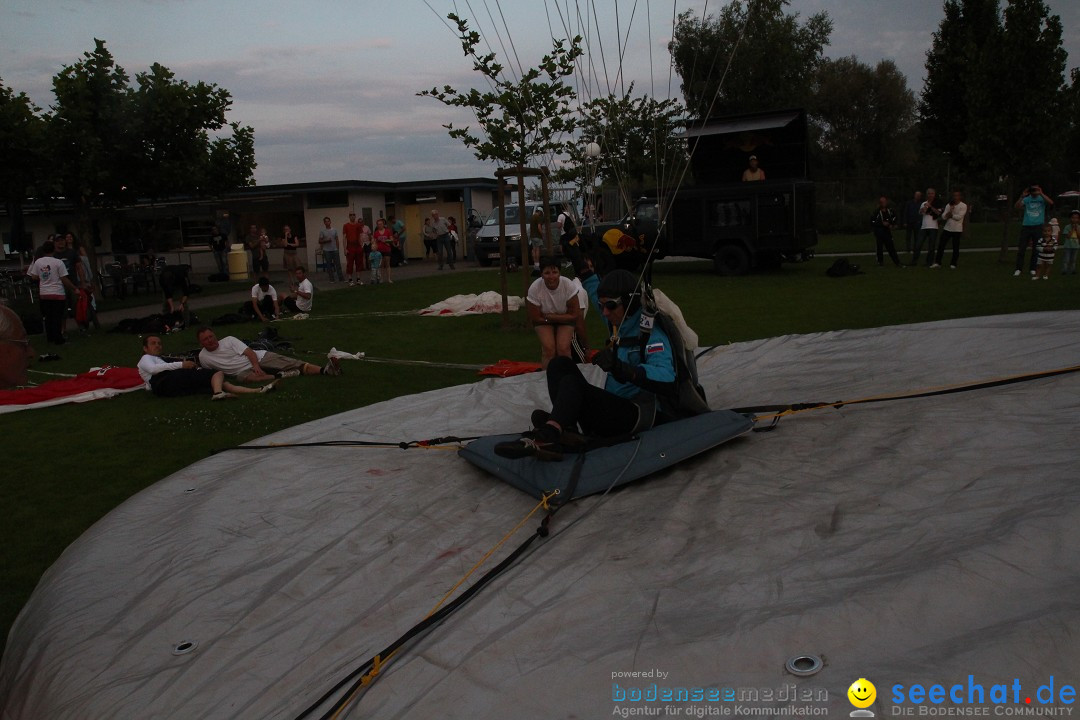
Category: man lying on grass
<point>173,379</point>
<point>238,360</point>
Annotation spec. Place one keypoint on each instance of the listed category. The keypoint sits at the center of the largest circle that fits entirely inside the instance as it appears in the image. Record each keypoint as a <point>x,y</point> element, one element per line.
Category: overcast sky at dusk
<point>330,87</point>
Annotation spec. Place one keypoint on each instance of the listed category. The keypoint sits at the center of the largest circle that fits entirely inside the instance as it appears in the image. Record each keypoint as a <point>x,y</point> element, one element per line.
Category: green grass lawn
<point>67,466</point>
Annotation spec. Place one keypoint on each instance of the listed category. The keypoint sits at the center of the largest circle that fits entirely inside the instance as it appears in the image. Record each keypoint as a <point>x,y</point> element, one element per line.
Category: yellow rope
<point>901,395</point>
<point>379,662</point>
<point>542,505</point>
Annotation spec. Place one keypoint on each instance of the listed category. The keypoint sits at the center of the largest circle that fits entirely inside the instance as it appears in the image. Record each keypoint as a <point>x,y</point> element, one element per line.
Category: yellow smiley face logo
<point>862,693</point>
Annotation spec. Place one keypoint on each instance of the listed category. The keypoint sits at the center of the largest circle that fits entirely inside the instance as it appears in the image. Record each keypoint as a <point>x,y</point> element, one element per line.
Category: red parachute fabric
<point>96,384</point>
<point>509,368</point>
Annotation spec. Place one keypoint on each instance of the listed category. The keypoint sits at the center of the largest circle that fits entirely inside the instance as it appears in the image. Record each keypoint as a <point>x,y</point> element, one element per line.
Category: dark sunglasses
<point>610,305</point>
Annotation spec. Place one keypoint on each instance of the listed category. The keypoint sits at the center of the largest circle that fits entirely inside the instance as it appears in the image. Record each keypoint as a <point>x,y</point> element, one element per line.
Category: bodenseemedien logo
<point>862,694</point>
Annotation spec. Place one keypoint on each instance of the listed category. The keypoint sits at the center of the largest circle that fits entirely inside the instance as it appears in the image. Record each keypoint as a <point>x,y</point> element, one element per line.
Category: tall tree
<point>171,123</point>
<point>112,143</point>
<point>963,43</point>
<point>1015,99</point>
<point>864,114</point>
<point>23,153</point>
<point>520,122</point>
<point>638,143</point>
<point>772,57</point>
<point>88,129</point>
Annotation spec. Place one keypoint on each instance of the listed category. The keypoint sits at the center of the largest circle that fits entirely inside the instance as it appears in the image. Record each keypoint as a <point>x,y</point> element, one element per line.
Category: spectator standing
<point>251,242</point>
<point>536,237</point>
<point>1046,248</point>
<point>955,217</point>
<point>1071,242</point>
<point>912,220</point>
<point>1034,203</point>
<point>429,239</point>
<point>219,245</point>
<point>53,286</point>
<point>443,242</point>
<point>882,222</point>
<point>292,246</point>
<point>328,241</point>
<point>354,249</point>
<point>264,251</point>
<point>399,244</point>
<point>384,238</point>
<point>928,231</point>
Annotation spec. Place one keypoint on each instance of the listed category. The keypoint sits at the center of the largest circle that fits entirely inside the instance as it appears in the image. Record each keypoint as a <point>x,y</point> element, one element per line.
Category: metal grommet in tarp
<point>184,647</point>
<point>804,665</point>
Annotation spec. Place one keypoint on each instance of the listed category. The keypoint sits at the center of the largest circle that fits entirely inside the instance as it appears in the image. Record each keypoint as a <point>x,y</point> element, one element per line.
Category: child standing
<point>375,261</point>
<point>1071,242</point>
<point>1046,249</point>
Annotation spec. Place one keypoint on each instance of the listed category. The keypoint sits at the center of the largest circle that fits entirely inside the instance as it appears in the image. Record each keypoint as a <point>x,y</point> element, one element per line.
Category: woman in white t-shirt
<point>554,311</point>
<point>53,284</point>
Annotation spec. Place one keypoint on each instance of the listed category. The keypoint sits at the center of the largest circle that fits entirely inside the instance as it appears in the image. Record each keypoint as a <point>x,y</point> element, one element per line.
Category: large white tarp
<point>923,541</point>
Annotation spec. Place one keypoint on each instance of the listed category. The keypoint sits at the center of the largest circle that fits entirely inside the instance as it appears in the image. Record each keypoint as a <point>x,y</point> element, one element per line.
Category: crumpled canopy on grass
<point>95,384</point>
<point>911,541</point>
<point>486,302</point>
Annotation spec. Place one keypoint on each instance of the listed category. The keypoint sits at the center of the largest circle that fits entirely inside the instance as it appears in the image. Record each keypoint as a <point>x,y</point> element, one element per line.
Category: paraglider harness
<point>688,398</point>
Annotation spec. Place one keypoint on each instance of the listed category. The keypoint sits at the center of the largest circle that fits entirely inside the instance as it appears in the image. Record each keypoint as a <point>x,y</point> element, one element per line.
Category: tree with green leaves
<point>24,153</point>
<point>1015,97</point>
<point>170,125</point>
<point>864,115</point>
<point>112,143</point>
<point>963,43</point>
<point>638,140</point>
<point>520,122</point>
<point>753,56</point>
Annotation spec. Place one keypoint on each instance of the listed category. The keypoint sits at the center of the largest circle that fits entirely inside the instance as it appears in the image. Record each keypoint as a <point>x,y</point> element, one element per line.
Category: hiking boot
<point>530,445</point>
<point>288,374</point>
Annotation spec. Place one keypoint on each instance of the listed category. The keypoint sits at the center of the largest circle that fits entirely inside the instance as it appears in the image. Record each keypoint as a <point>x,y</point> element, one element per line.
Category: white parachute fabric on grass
<point>486,302</point>
<point>913,541</point>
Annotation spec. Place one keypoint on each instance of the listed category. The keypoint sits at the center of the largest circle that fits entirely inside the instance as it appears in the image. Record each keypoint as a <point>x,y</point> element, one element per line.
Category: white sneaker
<point>222,396</point>
<point>269,387</point>
<point>333,367</point>
<point>935,265</point>
<point>288,374</point>
<point>1032,272</point>
<point>1016,274</point>
<point>952,267</point>
<point>1046,277</point>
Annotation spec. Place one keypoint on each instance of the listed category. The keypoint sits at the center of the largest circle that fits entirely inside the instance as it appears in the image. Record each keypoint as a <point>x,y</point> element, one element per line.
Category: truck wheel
<point>732,260</point>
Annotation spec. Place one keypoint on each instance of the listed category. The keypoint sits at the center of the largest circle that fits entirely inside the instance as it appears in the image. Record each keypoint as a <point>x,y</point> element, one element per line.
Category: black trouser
<point>574,400</point>
<point>883,236</point>
<point>929,236</point>
<point>1032,234</point>
<point>946,237</point>
<point>52,316</point>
